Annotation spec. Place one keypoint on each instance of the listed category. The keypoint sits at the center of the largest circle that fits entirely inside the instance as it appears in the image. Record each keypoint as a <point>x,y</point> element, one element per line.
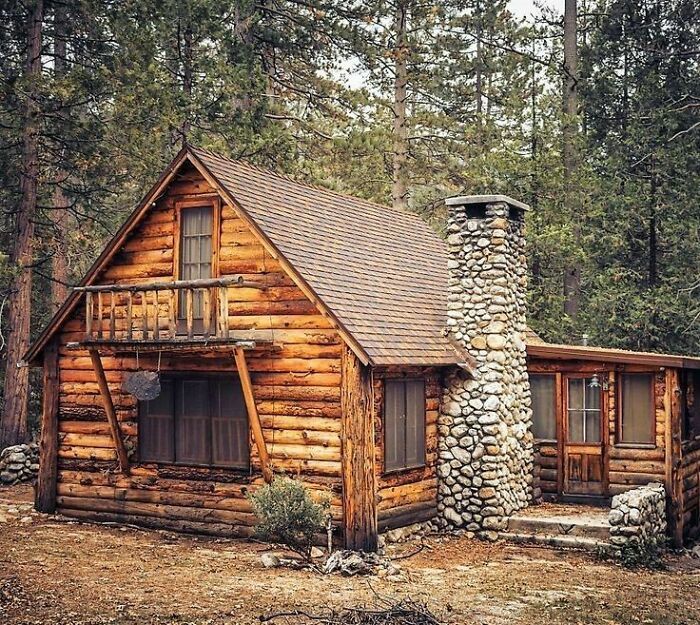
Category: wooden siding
<point>408,496</point>
<point>690,475</point>
<point>296,385</point>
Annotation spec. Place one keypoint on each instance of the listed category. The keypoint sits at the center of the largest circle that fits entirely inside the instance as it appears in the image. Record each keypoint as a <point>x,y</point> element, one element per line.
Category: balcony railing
<point>156,312</point>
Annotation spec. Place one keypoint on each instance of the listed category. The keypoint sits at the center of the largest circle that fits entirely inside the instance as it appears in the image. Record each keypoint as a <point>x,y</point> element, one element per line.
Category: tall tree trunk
<point>59,215</point>
<point>399,191</point>
<point>572,273</point>
<point>13,424</point>
<point>187,61</point>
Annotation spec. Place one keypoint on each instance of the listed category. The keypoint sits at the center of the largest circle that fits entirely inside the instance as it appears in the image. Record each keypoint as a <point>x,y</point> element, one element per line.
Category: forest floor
<point>57,571</point>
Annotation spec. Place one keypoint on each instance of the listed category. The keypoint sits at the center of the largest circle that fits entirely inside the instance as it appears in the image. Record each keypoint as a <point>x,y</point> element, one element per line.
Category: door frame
<point>563,433</point>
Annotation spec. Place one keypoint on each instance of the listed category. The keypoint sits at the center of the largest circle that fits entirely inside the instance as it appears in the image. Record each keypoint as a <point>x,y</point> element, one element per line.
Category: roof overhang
<point>616,356</point>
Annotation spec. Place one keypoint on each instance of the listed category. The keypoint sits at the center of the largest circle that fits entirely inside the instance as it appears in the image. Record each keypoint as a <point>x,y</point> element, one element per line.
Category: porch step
<point>581,543</point>
<point>593,528</point>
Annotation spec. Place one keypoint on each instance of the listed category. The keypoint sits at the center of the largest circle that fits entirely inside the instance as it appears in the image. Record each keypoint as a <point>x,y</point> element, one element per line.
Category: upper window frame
<point>209,200</point>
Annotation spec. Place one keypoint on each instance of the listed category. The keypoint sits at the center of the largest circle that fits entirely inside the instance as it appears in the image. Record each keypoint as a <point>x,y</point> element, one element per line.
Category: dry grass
<point>57,571</point>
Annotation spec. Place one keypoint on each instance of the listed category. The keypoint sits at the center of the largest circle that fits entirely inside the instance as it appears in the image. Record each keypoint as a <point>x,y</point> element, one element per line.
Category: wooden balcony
<point>157,315</point>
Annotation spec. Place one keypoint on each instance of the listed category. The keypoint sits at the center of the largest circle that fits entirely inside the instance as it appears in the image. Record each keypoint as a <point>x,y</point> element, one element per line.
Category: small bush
<point>287,514</point>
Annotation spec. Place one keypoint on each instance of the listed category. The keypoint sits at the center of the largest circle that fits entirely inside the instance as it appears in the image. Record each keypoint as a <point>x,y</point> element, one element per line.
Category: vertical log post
<point>223,313</point>
<point>253,415</point>
<point>89,313</point>
<point>129,316</point>
<point>109,410</point>
<point>45,500</point>
<point>357,454</point>
<point>674,457</point>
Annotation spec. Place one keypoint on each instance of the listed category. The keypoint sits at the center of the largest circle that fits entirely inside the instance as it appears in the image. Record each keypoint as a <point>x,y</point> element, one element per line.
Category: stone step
<point>553,526</point>
<point>581,543</point>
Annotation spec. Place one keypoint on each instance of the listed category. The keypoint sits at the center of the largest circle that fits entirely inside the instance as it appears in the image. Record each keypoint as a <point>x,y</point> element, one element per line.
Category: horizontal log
<point>626,453</point>
<point>86,453</point>
<point>305,409</point>
<point>280,436</point>
<point>637,479</point>
<point>304,452</point>
<point>94,427</point>
<point>407,515</point>
<point>186,527</point>
<point>146,244</point>
<point>637,466</point>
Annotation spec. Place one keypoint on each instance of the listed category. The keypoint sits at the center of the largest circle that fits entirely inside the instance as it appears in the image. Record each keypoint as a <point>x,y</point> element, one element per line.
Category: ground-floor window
<point>195,420</point>
<point>544,406</point>
<point>637,415</point>
<point>404,424</point>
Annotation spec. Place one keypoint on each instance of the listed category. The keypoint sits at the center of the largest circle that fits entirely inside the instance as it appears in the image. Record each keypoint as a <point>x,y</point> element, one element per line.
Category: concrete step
<point>581,543</point>
<point>583,527</point>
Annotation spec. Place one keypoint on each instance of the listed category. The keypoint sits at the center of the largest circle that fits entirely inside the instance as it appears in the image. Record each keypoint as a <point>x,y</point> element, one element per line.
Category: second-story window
<point>196,231</point>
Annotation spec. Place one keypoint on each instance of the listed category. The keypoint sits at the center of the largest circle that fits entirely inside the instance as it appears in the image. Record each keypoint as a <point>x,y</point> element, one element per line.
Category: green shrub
<point>287,514</point>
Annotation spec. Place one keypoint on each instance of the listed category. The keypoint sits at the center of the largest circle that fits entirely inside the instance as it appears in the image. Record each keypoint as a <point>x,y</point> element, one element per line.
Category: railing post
<point>206,311</point>
<point>172,313</point>
<point>88,315</point>
<point>112,315</point>
<point>222,321</point>
<point>156,316</point>
<point>189,310</point>
<point>129,316</point>
<point>99,314</point>
<point>144,313</point>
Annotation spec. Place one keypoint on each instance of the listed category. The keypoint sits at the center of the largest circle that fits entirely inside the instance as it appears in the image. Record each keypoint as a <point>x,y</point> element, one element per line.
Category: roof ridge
<point>317,187</point>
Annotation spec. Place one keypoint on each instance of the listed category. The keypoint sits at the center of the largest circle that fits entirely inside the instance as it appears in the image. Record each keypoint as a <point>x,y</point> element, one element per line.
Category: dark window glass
<point>195,420</point>
<point>404,424</point>
<point>691,416</point>
<point>544,421</point>
<point>196,227</point>
<point>584,410</point>
<point>637,408</point>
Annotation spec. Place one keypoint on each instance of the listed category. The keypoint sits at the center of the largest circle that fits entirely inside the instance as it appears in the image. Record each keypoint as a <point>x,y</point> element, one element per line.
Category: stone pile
<point>19,463</point>
<point>486,446</point>
<point>638,515</point>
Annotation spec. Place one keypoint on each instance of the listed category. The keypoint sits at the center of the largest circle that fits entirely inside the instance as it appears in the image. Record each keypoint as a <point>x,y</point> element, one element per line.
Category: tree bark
<point>399,191</point>
<point>59,214</point>
<point>572,273</point>
<point>13,424</point>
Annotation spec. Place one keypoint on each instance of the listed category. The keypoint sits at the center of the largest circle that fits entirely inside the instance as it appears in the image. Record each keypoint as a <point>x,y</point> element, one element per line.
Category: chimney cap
<point>461,200</point>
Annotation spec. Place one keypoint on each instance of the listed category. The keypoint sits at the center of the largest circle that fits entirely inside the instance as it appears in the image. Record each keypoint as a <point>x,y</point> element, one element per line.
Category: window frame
<point>619,433</point>
<point>209,377</point>
<point>423,463</point>
<point>209,200</point>
<point>555,402</point>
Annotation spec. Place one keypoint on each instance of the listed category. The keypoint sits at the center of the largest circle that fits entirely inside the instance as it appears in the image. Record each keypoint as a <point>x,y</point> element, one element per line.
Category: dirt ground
<point>57,571</point>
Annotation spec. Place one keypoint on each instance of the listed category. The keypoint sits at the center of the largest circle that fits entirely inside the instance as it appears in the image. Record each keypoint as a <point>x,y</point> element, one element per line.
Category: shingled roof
<point>380,272</point>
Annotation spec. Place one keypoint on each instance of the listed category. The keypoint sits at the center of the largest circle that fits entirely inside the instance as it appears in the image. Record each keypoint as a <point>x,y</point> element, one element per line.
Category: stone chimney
<point>485,450</point>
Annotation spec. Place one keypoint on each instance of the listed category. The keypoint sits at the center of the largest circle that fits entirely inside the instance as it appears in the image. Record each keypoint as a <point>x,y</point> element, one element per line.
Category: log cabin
<point>295,330</point>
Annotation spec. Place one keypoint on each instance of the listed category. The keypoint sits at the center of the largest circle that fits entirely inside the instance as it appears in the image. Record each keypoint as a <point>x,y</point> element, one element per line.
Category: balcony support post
<point>110,411</point>
<point>253,416</point>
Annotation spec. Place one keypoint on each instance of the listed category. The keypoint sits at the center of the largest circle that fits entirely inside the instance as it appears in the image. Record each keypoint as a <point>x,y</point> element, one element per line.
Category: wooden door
<point>584,435</point>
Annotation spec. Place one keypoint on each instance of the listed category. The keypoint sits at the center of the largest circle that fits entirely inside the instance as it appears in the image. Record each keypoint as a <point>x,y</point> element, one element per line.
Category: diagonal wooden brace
<point>109,410</point>
<point>253,415</point>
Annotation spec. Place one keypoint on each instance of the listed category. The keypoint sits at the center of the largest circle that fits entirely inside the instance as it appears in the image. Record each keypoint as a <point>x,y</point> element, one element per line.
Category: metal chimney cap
<point>461,200</point>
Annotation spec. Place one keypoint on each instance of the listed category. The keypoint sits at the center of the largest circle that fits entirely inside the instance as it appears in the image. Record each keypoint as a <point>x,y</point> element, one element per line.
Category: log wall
<point>690,475</point>
<point>410,496</point>
<point>296,385</point>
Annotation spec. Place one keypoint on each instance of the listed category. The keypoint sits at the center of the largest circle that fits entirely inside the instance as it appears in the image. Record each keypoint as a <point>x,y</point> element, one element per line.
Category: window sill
<point>546,441</point>
<point>393,472</point>
<point>635,445</point>
<point>191,465</point>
